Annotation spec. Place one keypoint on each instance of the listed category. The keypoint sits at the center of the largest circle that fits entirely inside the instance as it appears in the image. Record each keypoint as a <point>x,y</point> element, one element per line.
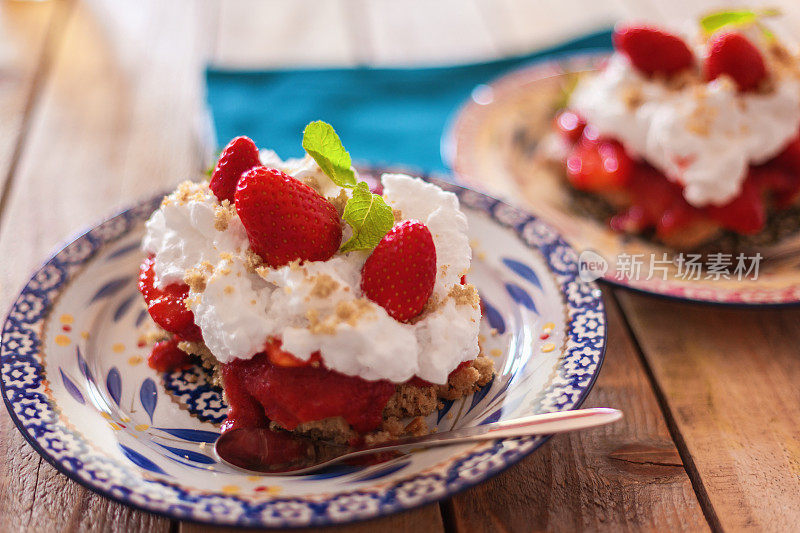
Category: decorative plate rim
<point>750,297</point>
<point>541,238</point>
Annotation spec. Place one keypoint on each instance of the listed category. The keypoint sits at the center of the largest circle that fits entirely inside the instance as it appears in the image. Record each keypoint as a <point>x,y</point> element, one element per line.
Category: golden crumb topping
<point>347,312</point>
<point>186,192</point>
<point>323,286</point>
<point>465,295</point>
<point>223,214</point>
<point>197,277</point>
<point>339,201</point>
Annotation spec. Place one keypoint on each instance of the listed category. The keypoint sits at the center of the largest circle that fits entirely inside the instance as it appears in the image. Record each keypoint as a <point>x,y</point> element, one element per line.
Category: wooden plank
<point>276,33</point>
<point>626,476</point>
<point>24,27</point>
<point>116,121</point>
<point>426,519</point>
<point>30,31</point>
<point>418,32</point>
<point>729,379</point>
<point>520,26</point>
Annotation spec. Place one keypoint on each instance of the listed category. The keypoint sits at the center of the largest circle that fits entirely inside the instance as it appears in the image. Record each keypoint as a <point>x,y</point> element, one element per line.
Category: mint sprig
<point>366,213</point>
<point>322,143</point>
<point>716,21</point>
<point>369,216</point>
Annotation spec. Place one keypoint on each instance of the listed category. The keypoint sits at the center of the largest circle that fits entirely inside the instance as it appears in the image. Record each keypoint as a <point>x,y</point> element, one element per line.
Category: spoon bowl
<point>276,452</point>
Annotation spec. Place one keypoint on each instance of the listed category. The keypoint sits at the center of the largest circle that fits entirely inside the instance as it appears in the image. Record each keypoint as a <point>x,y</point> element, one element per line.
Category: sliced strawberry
<point>598,166</point>
<point>632,220</point>
<point>166,306</point>
<point>676,219</point>
<point>238,157</point>
<point>780,184</point>
<point>400,274</point>
<point>732,54</point>
<point>744,214</point>
<point>653,193</point>
<point>570,125</point>
<point>286,219</point>
<point>651,50</point>
<point>279,357</point>
<point>790,157</point>
<point>166,356</point>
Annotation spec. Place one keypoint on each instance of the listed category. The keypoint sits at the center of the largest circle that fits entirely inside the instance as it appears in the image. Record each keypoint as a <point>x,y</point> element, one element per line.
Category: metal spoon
<point>270,452</point>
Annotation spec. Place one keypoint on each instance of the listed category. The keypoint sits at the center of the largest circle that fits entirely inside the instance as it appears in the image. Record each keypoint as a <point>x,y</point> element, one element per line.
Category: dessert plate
<point>76,381</point>
<point>492,145</point>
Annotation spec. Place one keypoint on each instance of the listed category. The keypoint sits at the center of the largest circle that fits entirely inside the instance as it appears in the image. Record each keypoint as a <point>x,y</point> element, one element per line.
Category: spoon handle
<point>544,424</point>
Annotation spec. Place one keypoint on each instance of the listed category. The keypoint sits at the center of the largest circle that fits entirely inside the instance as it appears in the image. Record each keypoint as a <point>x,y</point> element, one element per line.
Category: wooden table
<point>101,103</point>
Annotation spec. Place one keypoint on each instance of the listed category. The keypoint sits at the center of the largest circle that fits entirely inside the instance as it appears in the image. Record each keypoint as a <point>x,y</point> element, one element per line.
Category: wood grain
<point>627,476</point>
<point>271,33</point>
<point>423,520</point>
<point>729,379</point>
<point>116,120</point>
<point>24,54</point>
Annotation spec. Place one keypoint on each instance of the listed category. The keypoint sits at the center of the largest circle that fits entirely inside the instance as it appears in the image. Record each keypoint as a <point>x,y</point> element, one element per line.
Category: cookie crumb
<point>197,278</point>
<point>339,201</point>
<point>324,286</point>
<point>465,295</point>
<point>223,214</point>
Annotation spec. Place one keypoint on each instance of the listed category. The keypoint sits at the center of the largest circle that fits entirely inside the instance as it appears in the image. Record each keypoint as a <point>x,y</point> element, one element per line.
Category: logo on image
<point>591,266</point>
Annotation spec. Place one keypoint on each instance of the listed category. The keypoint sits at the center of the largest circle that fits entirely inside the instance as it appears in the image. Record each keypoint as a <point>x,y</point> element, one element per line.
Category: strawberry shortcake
<point>691,140</point>
<point>324,304</point>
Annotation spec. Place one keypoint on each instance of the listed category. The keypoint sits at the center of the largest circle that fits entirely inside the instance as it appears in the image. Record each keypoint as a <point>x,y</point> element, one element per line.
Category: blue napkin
<point>383,115</point>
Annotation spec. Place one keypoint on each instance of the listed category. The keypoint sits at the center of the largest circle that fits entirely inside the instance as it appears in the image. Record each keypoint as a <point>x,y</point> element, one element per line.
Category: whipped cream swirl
<point>702,135</point>
<point>317,306</point>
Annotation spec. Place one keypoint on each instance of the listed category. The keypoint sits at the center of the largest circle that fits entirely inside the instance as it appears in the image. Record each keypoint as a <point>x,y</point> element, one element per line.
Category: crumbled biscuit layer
<point>408,400</point>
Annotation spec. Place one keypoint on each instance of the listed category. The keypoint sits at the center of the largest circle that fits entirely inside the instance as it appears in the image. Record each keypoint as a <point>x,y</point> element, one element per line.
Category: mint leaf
<point>369,216</point>
<point>322,143</point>
<point>716,21</point>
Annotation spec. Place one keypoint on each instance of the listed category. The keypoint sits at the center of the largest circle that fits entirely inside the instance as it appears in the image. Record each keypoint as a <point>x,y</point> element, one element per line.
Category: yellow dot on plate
<point>496,353</point>
<point>118,347</point>
<point>114,426</point>
<point>549,327</point>
<point>230,489</point>
<point>105,415</point>
<point>85,334</point>
<point>140,427</point>
<point>125,419</point>
<point>549,347</point>
<point>135,360</point>
<point>67,319</point>
<point>273,489</point>
<point>253,478</point>
<point>62,340</point>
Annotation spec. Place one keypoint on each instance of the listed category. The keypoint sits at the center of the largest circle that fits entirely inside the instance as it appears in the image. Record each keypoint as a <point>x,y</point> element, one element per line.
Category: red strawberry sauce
<point>166,356</point>
<point>258,390</point>
<point>656,202</point>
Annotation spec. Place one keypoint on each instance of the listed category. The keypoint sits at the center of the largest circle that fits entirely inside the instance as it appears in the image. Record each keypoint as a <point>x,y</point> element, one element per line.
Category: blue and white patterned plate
<point>76,382</point>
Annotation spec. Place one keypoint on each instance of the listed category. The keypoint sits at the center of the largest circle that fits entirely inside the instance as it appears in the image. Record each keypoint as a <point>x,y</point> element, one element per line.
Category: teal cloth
<point>383,115</point>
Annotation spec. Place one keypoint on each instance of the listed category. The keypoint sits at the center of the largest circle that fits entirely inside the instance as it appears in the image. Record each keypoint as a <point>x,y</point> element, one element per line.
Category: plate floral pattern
<point>76,382</point>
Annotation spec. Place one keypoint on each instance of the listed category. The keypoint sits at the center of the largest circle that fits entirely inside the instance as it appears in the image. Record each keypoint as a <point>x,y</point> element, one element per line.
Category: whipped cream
<point>702,135</point>
<point>318,306</point>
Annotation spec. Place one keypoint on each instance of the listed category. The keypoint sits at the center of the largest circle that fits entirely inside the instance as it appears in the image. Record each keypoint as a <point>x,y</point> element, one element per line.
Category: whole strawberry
<point>166,306</point>
<point>286,219</point>
<point>734,55</point>
<point>400,274</point>
<point>651,50</point>
<point>238,157</point>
